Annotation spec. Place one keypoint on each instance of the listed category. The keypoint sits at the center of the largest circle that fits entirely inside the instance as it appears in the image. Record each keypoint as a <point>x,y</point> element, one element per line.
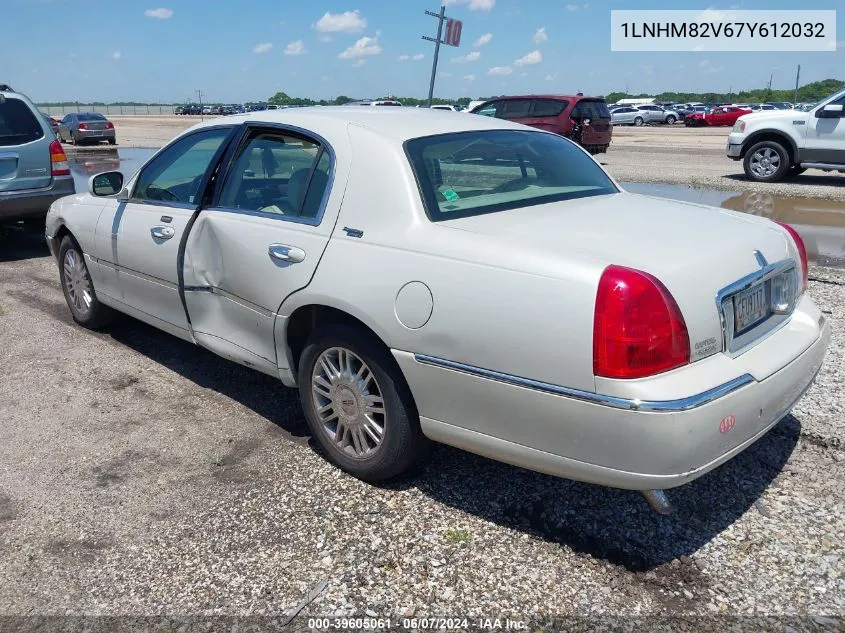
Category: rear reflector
<point>802,252</point>
<point>58,160</point>
<point>638,329</point>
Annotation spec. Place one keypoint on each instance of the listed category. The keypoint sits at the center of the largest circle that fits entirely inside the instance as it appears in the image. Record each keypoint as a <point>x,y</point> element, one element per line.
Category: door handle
<point>285,253</point>
<point>162,232</point>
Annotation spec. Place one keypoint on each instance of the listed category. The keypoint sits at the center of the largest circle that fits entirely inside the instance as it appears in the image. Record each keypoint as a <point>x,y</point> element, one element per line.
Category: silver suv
<point>34,170</point>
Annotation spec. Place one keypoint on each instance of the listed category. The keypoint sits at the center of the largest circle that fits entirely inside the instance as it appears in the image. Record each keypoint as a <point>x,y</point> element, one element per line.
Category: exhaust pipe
<point>658,501</point>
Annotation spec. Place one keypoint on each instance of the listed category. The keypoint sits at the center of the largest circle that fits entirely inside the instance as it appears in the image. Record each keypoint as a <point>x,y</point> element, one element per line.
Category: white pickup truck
<point>782,143</point>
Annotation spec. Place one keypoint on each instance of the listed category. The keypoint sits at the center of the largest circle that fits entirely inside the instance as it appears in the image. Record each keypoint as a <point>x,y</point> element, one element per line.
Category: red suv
<point>585,120</point>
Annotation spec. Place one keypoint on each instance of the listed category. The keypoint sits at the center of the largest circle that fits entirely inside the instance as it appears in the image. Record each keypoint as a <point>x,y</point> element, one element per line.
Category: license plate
<point>97,133</point>
<point>750,307</point>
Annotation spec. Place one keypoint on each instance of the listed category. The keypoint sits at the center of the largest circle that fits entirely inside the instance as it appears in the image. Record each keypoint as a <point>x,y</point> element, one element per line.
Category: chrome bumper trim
<point>655,406</point>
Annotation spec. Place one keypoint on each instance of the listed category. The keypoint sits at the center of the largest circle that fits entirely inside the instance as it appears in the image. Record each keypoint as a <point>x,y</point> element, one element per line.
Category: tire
<point>670,120</point>
<point>78,288</point>
<point>766,161</point>
<point>361,450</point>
<point>638,121</point>
<point>112,141</point>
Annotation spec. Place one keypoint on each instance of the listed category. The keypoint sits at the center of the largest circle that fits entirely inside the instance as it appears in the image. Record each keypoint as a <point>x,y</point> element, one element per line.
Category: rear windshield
<point>590,110</point>
<point>18,125</point>
<point>90,116</point>
<point>472,173</point>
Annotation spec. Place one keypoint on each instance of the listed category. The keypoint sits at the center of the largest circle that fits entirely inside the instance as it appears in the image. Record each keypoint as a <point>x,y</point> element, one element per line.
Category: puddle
<point>85,163</point>
<point>820,222</point>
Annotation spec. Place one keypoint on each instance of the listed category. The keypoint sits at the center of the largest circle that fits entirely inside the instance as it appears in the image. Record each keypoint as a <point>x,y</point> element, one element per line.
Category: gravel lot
<point>142,476</point>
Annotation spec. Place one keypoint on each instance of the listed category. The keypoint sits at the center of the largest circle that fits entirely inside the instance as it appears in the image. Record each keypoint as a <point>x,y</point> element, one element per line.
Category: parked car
<point>615,365</point>
<point>34,170</point>
<point>656,114</point>
<point>725,115</point>
<point>626,115</point>
<point>450,108</point>
<point>761,107</point>
<point>207,109</point>
<point>781,105</point>
<point>777,145</point>
<point>179,110</point>
<point>586,120</point>
<point>376,102</point>
<point>83,127</point>
<point>472,105</point>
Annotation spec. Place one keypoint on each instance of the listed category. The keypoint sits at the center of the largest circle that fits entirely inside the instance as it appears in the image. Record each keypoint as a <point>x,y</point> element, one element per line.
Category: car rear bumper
<point>92,135</point>
<point>606,443</point>
<point>31,203</point>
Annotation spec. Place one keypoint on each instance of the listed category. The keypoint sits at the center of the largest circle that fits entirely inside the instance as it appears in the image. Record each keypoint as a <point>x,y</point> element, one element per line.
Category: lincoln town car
<point>429,276</point>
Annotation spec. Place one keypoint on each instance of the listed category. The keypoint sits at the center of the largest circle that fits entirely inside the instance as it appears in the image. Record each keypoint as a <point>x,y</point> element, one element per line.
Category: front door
<point>138,239</point>
<point>825,138</point>
<point>259,241</point>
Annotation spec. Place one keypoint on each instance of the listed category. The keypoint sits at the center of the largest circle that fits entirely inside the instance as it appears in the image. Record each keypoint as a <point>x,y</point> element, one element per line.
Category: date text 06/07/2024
<point>415,623</point>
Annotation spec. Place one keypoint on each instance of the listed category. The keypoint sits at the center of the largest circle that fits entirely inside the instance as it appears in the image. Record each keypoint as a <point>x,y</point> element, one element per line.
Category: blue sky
<point>163,50</point>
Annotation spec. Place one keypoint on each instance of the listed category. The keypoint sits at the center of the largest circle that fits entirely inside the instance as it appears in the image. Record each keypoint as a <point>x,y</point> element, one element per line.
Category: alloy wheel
<point>77,282</point>
<point>765,162</point>
<point>348,402</point>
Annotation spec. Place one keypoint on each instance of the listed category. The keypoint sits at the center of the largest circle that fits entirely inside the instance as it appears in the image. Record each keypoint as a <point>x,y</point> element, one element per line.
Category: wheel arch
<point>305,318</point>
<point>776,136</point>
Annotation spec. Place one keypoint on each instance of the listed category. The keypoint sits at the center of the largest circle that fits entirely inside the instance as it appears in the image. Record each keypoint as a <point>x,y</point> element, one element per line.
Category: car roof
<point>400,124</point>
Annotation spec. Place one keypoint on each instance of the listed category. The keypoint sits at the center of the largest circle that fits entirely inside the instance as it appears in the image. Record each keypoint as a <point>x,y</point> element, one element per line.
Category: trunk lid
<point>695,250</point>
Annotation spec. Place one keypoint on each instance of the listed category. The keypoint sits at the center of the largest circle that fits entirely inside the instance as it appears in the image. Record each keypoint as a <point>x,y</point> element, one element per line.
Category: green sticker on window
<point>450,195</point>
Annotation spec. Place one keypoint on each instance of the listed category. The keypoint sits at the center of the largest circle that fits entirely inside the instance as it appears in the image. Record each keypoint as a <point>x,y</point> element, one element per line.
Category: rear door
<point>545,115</point>
<point>259,241</point>
<point>24,147</point>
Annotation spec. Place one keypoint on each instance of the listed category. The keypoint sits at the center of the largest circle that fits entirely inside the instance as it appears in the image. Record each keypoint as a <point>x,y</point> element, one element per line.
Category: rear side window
<point>18,125</point>
<point>473,173</point>
<point>590,110</point>
<point>548,107</point>
<point>280,174</point>
<point>514,109</point>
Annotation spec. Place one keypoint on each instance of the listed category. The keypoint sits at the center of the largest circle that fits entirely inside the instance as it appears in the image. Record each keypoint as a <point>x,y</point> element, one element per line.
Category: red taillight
<point>58,160</point>
<point>802,252</point>
<point>83,126</point>
<point>109,125</point>
<point>638,328</point>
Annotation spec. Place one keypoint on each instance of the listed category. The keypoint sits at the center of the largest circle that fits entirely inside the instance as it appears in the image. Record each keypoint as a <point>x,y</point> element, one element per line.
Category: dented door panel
<point>234,286</point>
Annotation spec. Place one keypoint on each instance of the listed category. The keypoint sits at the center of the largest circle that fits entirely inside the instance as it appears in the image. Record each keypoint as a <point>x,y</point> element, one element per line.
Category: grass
<point>457,536</point>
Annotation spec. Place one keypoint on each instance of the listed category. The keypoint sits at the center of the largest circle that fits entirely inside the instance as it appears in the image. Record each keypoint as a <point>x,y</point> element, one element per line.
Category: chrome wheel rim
<point>765,162</point>
<point>348,402</point>
<point>77,282</point>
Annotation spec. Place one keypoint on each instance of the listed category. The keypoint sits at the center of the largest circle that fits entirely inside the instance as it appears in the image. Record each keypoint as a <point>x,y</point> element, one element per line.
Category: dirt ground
<point>661,154</point>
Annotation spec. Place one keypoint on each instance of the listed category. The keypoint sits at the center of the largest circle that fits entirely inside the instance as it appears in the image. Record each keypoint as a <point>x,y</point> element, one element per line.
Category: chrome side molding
<point>655,406</point>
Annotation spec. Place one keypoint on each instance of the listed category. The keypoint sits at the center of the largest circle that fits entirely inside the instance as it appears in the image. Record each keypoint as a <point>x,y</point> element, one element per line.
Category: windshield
<point>472,173</point>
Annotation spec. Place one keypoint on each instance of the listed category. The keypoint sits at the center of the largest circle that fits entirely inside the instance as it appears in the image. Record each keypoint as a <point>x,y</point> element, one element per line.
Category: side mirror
<point>106,184</point>
<point>830,111</point>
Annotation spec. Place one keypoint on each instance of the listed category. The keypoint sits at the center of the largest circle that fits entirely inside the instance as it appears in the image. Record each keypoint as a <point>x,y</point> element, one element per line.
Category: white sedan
<point>422,275</point>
